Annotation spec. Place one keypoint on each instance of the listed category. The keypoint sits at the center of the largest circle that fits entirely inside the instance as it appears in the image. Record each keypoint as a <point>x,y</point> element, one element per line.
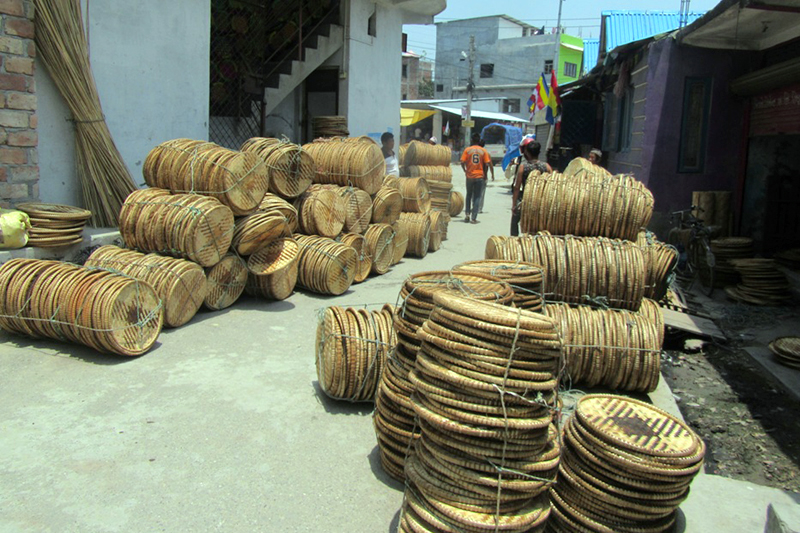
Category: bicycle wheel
<point>703,262</point>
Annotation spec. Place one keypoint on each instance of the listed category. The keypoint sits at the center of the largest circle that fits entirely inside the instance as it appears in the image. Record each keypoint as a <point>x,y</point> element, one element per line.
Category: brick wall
<point>19,165</point>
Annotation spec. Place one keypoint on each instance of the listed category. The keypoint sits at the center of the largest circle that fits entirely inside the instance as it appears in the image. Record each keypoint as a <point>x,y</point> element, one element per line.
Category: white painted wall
<point>507,29</point>
<point>150,60</point>
<point>370,96</point>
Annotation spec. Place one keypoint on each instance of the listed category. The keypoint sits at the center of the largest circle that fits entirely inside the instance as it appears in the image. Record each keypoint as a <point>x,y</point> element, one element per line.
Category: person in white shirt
<point>389,157</point>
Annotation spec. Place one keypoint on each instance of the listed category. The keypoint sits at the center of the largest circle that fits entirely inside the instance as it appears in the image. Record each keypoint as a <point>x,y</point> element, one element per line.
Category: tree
<point>426,89</point>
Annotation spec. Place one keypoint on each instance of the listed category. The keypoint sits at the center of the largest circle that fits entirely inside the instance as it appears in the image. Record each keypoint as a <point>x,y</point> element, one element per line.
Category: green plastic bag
<point>14,226</point>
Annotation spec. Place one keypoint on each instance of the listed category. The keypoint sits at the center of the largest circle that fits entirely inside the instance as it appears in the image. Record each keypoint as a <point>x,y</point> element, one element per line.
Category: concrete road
<point>220,428</point>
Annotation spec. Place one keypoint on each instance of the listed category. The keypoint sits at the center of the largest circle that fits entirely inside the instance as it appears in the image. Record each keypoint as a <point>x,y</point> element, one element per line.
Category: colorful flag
<point>542,93</point>
<point>553,100</point>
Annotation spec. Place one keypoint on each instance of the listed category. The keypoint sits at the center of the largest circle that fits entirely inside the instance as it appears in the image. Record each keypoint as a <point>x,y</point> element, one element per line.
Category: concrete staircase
<point>289,75</point>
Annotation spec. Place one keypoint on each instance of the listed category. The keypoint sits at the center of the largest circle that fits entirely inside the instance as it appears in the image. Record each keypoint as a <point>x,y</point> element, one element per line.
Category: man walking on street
<point>475,162</point>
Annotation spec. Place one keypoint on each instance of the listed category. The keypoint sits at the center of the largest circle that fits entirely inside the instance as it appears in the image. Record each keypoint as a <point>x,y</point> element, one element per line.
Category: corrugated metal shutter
<point>776,112</point>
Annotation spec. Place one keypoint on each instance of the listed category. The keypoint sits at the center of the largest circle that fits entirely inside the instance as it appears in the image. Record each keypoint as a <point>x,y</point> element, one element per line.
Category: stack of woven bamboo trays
<point>762,283</point>
<point>352,348</point>
<point>660,261</point>
<point>787,351</point>
<point>290,169</point>
<point>526,279</point>
<point>330,126</point>
<point>107,311</point>
<point>625,466</point>
<point>54,225</point>
<point>346,163</point>
<point>728,249</point>
<point>394,414</point>
<point>485,383</point>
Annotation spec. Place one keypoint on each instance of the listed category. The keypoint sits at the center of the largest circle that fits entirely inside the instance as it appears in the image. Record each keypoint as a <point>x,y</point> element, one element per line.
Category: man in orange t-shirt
<point>475,161</point>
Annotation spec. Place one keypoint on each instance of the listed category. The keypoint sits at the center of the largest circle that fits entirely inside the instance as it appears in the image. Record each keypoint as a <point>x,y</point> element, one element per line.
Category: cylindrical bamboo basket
<point>399,241</point>
<point>321,212</point>
<point>106,311</point>
<point>527,279</point>
<point>416,195</point>
<point>181,225</point>
<point>359,244</point>
<point>438,230</point>
<point>237,179</point>
<point>431,173</point>
<point>387,206</point>
<point>290,169</point>
<point>352,348</point>
<point>339,162</point>
<point>456,203</point>
<point>226,282</point>
<point>419,153</point>
<point>380,247</point>
<point>253,232</point>
<point>180,284</point>
<point>418,229</point>
<point>275,204</point>
<point>272,271</point>
<point>325,266</point>
<point>617,349</point>
<point>615,207</point>
<point>580,270</point>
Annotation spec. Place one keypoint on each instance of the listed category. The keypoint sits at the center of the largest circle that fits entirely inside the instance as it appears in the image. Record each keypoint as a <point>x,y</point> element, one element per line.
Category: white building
<point>158,76</point>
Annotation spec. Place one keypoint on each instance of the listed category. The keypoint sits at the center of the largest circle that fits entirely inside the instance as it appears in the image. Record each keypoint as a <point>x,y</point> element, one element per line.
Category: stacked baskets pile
<point>54,225</point>
<point>432,163</point>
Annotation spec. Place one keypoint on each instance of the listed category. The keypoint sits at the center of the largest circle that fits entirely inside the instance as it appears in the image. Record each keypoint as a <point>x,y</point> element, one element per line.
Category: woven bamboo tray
<point>357,164</point>
<point>416,195</point>
<point>272,271</point>
<point>527,279</point>
<point>275,204</point>
<point>330,126</point>
<point>626,466</point>
<point>352,347</point>
<point>180,284</point>
<point>439,221</point>
<point>387,206</point>
<point>417,226</point>
<point>580,270</point>
<point>54,225</point>
<point>325,266</point>
<point>440,195</point>
<point>399,241</point>
<point>380,247</point>
<point>359,244</point>
<point>226,282</point>
<point>253,232</point>
<point>237,179</point>
<point>358,206</point>
<point>615,207</point>
<point>290,169</point>
<point>419,153</point>
<point>660,260</point>
<point>182,225</point>
<point>456,203</point>
<point>431,173</point>
<point>109,312</point>
<point>583,168</point>
<point>321,211</point>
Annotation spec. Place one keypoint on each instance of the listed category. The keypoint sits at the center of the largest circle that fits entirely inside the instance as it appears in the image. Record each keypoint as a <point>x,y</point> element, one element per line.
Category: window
<point>372,29</point>
<point>512,105</point>
<point>694,124</point>
<point>487,70</point>
<point>405,71</point>
<point>618,122</point>
<point>405,96</point>
<point>548,66</point>
<point>626,121</point>
<point>571,70</point>
<point>439,87</point>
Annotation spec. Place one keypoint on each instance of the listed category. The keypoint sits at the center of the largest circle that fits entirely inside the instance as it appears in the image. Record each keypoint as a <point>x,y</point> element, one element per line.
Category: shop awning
<point>411,116</point>
<point>480,114</point>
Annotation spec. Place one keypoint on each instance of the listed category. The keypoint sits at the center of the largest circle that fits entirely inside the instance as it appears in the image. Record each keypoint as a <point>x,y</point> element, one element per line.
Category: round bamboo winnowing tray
<point>399,241</point>
<point>584,205</point>
<point>581,167</point>
<point>359,244</point>
<point>272,271</point>
<point>226,282</point>
<point>787,351</point>
<point>416,195</point>
<point>357,164</point>
<point>253,232</point>
<point>358,206</point>
<point>479,406</point>
<point>626,466</point>
<point>321,212</point>
<point>54,225</point>
<point>394,414</point>
<point>526,279</point>
<point>181,225</point>
<point>431,173</point>
<point>325,266</point>
<point>272,204</point>
<point>380,247</point>
<point>580,270</point>
<point>418,228</point>
<point>239,180</point>
<point>290,168</point>
<point>106,311</point>
<point>387,206</point>
<point>456,203</point>
<point>615,349</point>
<point>180,284</point>
<point>352,347</point>
<point>660,262</point>
<point>438,230</point>
<point>425,154</point>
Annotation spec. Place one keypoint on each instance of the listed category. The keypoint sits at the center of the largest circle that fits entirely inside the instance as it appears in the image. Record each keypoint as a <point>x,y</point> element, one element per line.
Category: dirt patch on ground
<point>749,423</point>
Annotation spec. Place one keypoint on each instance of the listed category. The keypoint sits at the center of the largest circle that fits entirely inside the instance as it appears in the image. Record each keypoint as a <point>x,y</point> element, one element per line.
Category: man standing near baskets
<point>389,157</point>
<point>475,162</point>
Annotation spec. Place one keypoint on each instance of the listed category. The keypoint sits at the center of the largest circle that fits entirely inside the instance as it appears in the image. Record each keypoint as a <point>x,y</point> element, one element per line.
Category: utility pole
<point>552,134</point>
<point>470,89</point>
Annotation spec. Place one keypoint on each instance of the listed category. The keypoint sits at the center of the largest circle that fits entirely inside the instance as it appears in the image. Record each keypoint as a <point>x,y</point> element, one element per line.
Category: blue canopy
<point>512,140</point>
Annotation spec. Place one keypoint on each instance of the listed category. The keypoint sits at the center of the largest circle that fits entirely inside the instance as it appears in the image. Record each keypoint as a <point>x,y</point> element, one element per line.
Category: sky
<point>579,17</point>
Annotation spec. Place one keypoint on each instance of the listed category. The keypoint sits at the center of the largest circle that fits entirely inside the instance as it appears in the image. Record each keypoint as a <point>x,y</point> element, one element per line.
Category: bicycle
<point>696,261</point>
